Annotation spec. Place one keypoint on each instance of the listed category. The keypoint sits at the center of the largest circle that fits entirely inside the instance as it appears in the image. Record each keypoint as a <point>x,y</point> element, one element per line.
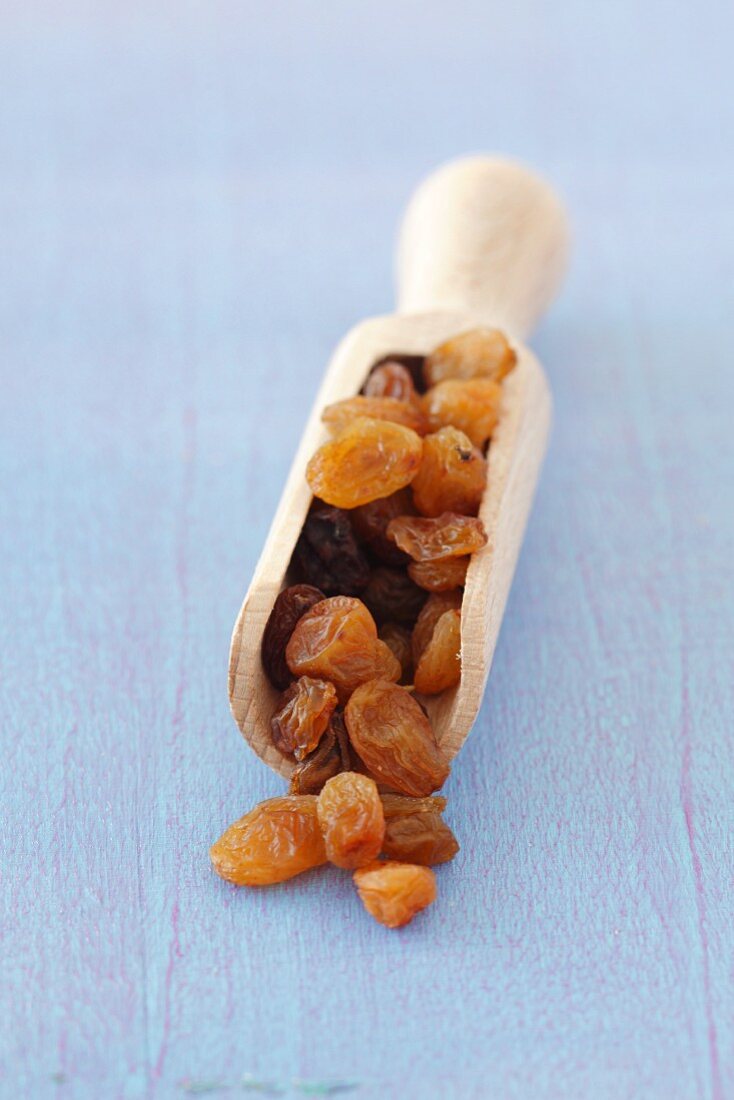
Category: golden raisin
<point>394,892</point>
<point>387,665</point>
<point>391,594</point>
<point>439,666</point>
<point>397,637</point>
<point>435,606</point>
<point>337,641</point>
<point>370,523</point>
<point>439,576</point>
<point>452,475</point>
<point>343,413</point>
<point>471,406</point>
<point>352,820</point>
<point>390,380</point>
<point>481,353</point>
<point>447,536</point>
<point>302,716</point>
<point>367,460</point>
<point>280,838</point>
<point>419,838</point>
<point>393,737</point>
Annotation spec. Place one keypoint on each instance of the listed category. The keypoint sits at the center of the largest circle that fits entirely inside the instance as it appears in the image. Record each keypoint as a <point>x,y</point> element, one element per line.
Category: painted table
<point>195,202</point>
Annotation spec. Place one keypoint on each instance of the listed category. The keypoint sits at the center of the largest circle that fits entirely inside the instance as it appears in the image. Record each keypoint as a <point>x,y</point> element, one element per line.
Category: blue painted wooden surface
<point>196,200</point>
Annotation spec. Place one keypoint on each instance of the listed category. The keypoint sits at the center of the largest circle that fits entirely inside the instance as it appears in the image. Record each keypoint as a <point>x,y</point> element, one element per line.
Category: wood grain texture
<point>195,202</point>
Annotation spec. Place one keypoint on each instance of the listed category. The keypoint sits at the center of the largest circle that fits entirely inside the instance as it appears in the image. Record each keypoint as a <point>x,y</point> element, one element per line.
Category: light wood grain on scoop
<point>483,242</point>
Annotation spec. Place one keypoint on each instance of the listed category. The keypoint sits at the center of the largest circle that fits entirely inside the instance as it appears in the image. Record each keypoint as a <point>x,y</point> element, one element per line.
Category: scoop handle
<point>486,237</point>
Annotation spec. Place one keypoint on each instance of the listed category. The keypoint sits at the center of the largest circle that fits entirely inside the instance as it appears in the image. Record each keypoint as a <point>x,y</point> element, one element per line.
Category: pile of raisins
<point>371,622</point>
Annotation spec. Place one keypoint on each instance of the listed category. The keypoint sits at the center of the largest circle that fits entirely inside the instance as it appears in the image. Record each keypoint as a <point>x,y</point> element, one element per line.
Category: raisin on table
<point>394,892</point>
<point>392,735</point>
<point>280,838</point>
<point>288,608</point>
<point>447,536</point>
<point>419,838</point>
<point>452,475</point>
<point>481,353</point>
<point>472,406</point>
<point>328,553</point>
<point>367,460</point>
<point>302,716</point>
<point>352,820</point>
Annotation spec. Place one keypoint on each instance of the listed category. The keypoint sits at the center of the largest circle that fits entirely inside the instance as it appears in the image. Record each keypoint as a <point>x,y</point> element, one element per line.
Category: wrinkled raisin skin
<point>328,554</point>
<point>337,641</point>
<point>352,820</point>
<point>393,736</point>
<point>423,838</point>
<point>302,716</point>
<point>276,840</point>
<point>343,413</point>
<point>447,536</point>
<point>394,892</point>
<point>367,460</point>
<point>288,608</point>
<point>471,406</point>
<point>435,606</point>
<point>439,667</point>
<point>391,594</point>
<point>439,576</point>
<point>480,353</point>
<point>452,475</point>
<point>398,638</point>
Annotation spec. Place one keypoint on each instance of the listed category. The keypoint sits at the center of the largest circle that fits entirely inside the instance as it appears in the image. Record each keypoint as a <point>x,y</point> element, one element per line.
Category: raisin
<point>439,666</point>
<point>287,610</point>
<point>439,576</point>
<point>419,838</point>
<point>391,594</point>
<point>328,553</point>
<point>447,536</point>
<point>399,805</point>
<point>352,820</point>
<point>481,353</point>
<point>394,892</point>
<point>393,736</point>
<point>337,641</point>
<point>471,406</point>
<point>452,475</point>
<point>280,838</point>
<point>390,380</point>
<point>367,460</point>
<point>323,763</point>
<point>435,606</point>
<point>370,522</point>
<point>387,665</point>
<point>343,413</point>
<point>397,637</point>
<point>302,716</point>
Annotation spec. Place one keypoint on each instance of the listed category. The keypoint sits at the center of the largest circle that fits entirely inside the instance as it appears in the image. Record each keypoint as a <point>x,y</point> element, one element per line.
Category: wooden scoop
<point>483,243</point>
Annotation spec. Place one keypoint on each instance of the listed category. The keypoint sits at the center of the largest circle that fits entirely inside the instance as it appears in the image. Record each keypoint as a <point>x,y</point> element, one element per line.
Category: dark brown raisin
<point>287,610</point>
<point>370,523</point>
<point>392,596</point>
<point>328,555</point>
